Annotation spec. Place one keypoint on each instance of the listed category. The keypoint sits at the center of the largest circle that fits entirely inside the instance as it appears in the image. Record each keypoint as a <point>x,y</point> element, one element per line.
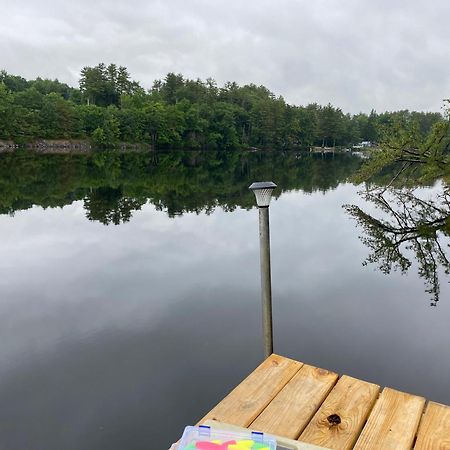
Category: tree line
<point>109,107</point>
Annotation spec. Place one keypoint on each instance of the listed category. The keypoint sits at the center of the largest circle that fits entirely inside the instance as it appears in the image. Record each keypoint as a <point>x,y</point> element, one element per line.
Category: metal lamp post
<point>263,193</point>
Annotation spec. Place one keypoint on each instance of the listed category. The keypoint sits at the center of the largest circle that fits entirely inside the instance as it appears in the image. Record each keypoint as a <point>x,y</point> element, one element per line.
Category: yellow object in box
<point>207,438</point>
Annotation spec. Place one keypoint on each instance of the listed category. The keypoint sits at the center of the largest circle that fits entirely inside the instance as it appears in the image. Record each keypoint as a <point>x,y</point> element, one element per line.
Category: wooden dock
<point>298,401</point>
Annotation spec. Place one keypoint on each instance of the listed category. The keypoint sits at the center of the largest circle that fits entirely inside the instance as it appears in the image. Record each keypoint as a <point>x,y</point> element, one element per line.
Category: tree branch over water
<point>409,224</point>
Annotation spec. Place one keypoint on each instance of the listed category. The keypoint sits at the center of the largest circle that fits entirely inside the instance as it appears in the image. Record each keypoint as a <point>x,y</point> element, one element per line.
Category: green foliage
<point>98,138</point>
<point>56,117</point>
<point>6,112</point>
<point>90,117</point>
<point>404,143</point>
<point>13,83</point>
<point>104,85</point>
<point>181,113</point>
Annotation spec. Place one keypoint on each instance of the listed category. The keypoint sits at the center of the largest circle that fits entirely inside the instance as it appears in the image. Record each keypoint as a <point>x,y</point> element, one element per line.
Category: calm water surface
<point>117,336</point>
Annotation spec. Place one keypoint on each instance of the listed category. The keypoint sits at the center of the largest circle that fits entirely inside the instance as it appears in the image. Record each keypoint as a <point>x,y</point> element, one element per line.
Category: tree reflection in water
<point>109,205</point>
<point>408,225</point>
<point>113,185</point>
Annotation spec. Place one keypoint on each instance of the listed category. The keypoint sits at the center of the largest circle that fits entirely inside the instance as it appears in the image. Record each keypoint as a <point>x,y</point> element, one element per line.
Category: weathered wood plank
<point>393,422</point>
<point>242,405</point>
<point>434,430</point>
<point>339,420</point>
<point>292,409</point>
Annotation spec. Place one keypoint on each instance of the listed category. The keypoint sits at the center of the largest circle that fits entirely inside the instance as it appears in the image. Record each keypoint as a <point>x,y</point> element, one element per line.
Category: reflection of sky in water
<point>112,335</point>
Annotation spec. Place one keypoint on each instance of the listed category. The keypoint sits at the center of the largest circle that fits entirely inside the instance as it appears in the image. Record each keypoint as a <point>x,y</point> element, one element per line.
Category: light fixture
<point>263,192</point>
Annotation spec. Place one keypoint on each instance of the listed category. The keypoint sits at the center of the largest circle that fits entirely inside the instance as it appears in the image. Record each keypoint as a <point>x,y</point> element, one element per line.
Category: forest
<point>109,108</point>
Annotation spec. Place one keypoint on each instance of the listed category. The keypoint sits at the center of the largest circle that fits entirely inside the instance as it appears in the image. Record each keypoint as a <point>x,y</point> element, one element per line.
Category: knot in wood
<point>334,419</point>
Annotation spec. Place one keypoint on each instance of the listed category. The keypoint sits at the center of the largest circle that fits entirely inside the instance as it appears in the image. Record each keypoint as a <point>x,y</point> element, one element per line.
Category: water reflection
<point>412,224</point>
<point>113,186</point>
<point>108,331</point>
<point>108,205</point>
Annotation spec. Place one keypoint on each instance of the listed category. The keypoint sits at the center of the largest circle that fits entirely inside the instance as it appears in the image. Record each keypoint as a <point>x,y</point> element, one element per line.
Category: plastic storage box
<point>206,438</point>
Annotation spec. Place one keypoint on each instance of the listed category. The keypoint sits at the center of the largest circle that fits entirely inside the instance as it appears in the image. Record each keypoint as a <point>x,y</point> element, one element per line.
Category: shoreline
<point>84,146</point>
<point>66,146</point>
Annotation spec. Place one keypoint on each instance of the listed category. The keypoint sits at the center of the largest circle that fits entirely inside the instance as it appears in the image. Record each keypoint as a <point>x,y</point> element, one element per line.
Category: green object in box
<point>282,442</point>
<point>205,437</point>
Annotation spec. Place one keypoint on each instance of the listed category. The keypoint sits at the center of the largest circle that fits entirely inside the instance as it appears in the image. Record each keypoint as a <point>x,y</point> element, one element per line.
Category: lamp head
<point>263,192</point>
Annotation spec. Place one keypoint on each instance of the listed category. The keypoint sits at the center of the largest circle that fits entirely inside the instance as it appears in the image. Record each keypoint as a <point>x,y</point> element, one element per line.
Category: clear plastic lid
<point>206,438</point>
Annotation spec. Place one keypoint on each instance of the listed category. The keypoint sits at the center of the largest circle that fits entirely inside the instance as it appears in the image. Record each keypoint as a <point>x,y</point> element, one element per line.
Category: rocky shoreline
<point>65,146</point>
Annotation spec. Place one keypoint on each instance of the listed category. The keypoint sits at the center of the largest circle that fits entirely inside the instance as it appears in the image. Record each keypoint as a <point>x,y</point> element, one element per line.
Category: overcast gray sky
<point>356,54</point>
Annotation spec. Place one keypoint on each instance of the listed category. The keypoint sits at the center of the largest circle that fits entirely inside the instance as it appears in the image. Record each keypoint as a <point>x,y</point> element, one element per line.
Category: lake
<point>130,292</point>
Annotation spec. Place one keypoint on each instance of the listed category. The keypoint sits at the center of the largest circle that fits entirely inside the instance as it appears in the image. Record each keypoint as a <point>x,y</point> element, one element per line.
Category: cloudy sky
<point>356,54</point>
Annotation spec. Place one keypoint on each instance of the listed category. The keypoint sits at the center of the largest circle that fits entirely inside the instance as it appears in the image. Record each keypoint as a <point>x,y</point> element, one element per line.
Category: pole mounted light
<point>263,193</point>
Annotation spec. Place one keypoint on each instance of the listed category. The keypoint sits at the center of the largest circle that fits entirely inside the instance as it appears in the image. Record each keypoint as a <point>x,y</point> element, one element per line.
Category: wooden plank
<point>339,420</point>
<point>292,409</point>
<point>434,430</point>
<point>242,405</point>
<point>393,422</point>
